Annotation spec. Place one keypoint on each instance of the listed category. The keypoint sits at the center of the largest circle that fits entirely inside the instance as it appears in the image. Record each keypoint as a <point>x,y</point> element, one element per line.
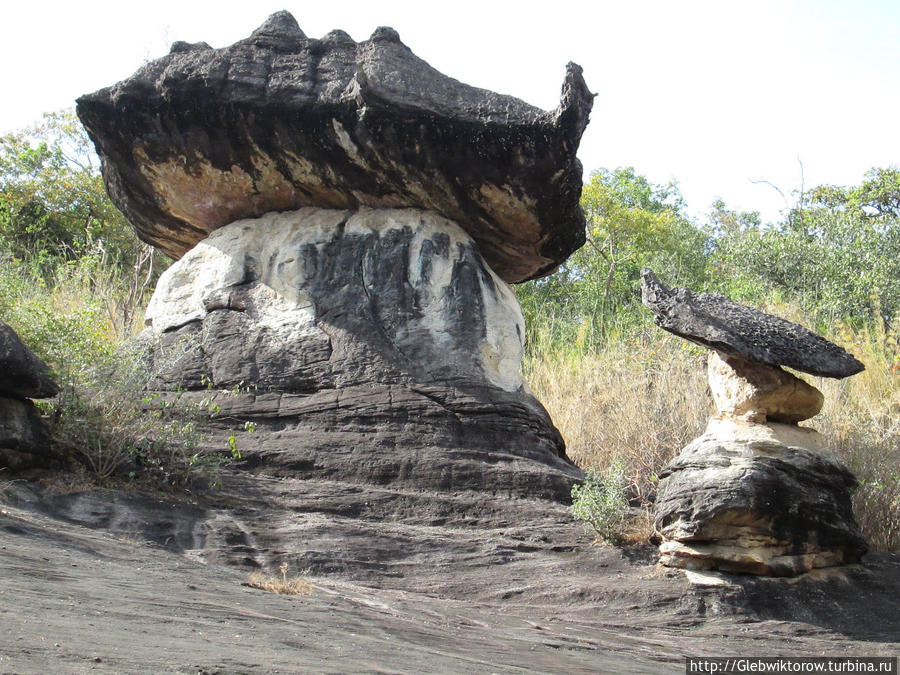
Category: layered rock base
<point>757,498</point>
<point>371,345</point>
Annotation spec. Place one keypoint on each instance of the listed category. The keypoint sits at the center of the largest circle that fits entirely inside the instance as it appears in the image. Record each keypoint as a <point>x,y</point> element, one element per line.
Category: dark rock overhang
<point>714,321</point>
<point>203,137</point>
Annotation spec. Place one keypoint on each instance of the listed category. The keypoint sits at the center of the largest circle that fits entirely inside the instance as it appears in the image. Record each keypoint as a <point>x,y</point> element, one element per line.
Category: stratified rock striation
<point>765,499</point>
<point>755,493</point>
<point>203,137</point>
<point>719,323</point>
<point>23,436</point>
<point>373,346</point>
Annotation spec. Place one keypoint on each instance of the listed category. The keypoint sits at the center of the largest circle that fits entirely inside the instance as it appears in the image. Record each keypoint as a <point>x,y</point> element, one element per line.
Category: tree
<point>53,204</point>
<point>55,215</point>
<point>631,223</point>
<point>837,254</point>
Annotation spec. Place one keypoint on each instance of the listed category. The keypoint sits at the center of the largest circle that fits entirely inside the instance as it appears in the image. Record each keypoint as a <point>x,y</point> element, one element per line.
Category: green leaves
<point>838,255</point>
<point>600,503</point>
<point>53,202</point>
<point>631,223</point>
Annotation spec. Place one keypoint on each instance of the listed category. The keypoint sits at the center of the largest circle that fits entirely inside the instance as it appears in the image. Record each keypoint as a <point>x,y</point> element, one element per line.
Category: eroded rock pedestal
<point>371,345</point>
<point>755,493</point>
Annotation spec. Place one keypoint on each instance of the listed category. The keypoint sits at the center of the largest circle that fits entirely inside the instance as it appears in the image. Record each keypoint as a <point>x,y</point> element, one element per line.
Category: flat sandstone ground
<point>403,582</point>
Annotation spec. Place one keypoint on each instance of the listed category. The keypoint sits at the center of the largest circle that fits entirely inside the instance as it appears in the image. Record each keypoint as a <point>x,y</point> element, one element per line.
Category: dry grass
<point>643,401</point>
<point>639,402</point>
<point>639,527</point>
<point>861,418</point>
<point>280,585</point>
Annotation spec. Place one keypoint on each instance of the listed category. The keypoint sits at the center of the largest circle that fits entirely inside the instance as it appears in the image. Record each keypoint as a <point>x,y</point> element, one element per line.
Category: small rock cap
<point>717,322</point>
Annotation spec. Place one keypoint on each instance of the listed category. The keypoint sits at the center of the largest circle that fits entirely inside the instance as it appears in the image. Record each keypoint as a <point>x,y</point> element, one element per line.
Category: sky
<point>727,97</point>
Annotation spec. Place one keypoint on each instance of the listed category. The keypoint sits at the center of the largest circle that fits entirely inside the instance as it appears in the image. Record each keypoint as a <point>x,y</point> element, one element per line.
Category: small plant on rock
<point>282,585</point>
<point>600,502</point>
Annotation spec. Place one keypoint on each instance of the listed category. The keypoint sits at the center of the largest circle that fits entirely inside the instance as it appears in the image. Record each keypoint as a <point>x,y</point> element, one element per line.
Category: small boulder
<point>22,374</point>
<point>757,392</point>
<point>24,440</point>
<point>23,436</point>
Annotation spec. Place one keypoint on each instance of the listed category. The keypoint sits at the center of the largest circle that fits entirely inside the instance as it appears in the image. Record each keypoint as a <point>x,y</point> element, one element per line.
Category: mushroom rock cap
<point>714,321</point>
<point>202,137</point>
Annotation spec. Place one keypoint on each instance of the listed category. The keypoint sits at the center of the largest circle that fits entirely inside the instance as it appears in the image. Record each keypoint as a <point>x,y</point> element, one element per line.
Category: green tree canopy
<point>630,223</point>
<point>53,204</point>
<point>837,254</point>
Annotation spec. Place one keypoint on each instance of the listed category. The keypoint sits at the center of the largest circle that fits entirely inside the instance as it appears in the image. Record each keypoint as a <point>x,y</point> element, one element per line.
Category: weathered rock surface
<point>23,435</point>
<point>22,374</point>
<point>203,137</point>
<point>757,498</point>
<point>373,345</point>
<point>462,582</point>
<point>757,392</point>
<point>716,322</point>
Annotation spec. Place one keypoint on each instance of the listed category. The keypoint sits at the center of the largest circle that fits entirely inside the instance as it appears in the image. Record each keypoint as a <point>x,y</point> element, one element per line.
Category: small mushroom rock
<point>756,493</point>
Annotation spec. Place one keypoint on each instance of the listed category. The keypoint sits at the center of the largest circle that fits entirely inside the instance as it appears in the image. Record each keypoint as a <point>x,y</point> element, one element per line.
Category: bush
<point>103,417</point>
<point>600,503</point>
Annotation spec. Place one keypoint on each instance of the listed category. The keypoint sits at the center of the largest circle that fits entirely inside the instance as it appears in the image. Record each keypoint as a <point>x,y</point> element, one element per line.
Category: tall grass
<point>75,321</point>
<point>637,401</point>
<point>641,398</point>
<point>861,419</point>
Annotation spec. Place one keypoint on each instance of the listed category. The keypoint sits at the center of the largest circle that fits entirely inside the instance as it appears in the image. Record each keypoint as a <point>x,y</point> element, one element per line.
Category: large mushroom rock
<point>347,220</point>
<point>755,493</point>
<point>374,346</point>
<point>203,137</point>
<point>23,376</point>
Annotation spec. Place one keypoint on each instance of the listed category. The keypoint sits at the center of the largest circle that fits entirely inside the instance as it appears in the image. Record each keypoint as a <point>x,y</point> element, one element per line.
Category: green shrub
<point>600,502</point>
<point>103,417</point>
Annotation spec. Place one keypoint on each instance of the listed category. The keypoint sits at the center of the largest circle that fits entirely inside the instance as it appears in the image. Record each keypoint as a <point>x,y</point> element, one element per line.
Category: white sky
<point>712,93</point>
